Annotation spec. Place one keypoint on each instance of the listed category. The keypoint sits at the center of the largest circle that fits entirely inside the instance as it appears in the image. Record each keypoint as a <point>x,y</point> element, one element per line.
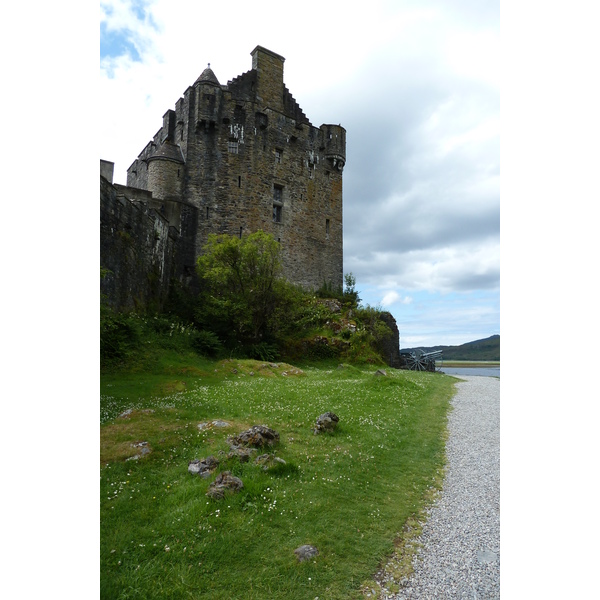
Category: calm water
<point>482,371</point>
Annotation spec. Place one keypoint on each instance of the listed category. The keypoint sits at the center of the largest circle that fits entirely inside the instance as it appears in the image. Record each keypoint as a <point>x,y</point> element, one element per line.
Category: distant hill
<point>486,349</point>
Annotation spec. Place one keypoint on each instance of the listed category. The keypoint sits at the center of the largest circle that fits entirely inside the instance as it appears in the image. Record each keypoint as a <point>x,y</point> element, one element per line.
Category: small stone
<point>380,372</point>
<point>203,467</point>
<point>326,422</point>
<point>243,454</point>
<point>145,450</point>
<point>224,483</point>
<point>266,461</point>
<point>211,424</point>
<point>130,411</point>
<point>257,436</point>
<point>305,552</point>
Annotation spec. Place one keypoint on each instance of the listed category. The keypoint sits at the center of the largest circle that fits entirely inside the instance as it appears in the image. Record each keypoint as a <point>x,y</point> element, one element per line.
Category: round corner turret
<point>334,144</point>
<point>165,171</point>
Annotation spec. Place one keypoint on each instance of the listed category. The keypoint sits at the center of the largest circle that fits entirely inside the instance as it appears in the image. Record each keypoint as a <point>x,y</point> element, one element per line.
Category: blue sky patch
<point>117,43</point>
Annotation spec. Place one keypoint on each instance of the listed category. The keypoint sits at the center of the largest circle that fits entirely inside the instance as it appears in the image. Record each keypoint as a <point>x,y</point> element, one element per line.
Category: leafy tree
<point>242,286</point>
<point>350,293</point>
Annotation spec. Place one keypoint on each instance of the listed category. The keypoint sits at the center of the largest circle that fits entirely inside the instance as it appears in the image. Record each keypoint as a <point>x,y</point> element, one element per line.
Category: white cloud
<point>392,297</point>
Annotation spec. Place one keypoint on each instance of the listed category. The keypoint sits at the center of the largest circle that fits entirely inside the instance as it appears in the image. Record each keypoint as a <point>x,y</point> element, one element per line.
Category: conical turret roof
<point>207,76</point>
<point>168,151</point>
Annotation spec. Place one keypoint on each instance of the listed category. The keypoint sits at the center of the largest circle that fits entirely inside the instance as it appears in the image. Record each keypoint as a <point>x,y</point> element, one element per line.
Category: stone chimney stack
<point>269,67</point>
<point>107,169</point>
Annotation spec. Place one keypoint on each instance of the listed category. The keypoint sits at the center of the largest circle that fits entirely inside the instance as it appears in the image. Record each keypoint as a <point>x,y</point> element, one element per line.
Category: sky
<point>416,84</point>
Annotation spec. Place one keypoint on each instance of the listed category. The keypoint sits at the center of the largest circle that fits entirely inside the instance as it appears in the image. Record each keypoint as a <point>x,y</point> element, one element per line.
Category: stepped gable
<point>242,86</point>
<point>292,108</point>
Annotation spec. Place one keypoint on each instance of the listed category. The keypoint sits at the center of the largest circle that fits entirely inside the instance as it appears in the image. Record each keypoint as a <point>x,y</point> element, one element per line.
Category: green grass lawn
<point>350,493</point>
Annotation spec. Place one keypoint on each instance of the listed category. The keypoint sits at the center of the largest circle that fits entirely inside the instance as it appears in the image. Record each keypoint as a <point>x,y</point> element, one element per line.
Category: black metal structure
<point>422,361</point>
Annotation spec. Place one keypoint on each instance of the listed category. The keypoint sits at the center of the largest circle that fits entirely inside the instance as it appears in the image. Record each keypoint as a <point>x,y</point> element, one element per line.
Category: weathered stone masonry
<point>239,158</point>
<point>140,249</point>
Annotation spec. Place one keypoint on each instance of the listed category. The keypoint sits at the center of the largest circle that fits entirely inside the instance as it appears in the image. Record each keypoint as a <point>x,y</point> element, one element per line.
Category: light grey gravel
<point>460,557</point>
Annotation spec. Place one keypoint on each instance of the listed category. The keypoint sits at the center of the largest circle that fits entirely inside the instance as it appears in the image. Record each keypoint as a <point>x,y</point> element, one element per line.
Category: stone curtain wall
<point>137,246</point>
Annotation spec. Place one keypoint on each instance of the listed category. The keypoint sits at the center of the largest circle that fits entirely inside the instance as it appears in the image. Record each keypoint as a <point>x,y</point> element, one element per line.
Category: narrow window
<point>241,229</point>
<point>207,209</point>
<point>239,181</point>
<point>277,204</point>
<point>327,226</point>
<point>278,153</point>
<point>232,147</point>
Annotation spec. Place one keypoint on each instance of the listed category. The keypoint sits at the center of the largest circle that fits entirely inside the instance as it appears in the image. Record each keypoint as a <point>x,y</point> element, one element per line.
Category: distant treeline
<point>486,349</point>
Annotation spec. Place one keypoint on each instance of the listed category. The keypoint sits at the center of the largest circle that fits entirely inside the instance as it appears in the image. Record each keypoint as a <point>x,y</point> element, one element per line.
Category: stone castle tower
<point>243,157</point>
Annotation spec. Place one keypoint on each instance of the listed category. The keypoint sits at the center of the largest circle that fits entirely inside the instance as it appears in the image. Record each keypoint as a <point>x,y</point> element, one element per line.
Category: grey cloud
<point>415,181</point>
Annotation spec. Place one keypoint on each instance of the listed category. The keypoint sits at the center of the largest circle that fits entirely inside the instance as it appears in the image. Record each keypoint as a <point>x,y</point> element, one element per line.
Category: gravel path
<point>460,557</point>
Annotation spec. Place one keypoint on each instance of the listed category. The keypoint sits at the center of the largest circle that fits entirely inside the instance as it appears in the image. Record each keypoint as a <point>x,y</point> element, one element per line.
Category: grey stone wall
<point>138,247</point>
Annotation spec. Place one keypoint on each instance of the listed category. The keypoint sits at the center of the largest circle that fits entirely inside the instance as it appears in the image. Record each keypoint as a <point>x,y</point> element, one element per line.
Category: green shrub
<point>321,349</point>
<point>346,334</point>
<point>311,314</point>
<point>263,351</point>
<point>161,324</point>
<point>120,336</point>
<point>328,291</point>
<point>239,276</point>
<point>206,343</point>
<point>350,295</point>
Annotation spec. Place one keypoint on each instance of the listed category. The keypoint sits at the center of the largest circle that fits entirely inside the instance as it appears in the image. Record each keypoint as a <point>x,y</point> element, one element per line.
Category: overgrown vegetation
<point>246,309</point>
<point>350,493</point>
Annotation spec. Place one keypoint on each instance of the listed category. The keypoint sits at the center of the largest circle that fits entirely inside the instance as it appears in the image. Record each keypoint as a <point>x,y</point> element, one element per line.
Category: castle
<point>229,159</point>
